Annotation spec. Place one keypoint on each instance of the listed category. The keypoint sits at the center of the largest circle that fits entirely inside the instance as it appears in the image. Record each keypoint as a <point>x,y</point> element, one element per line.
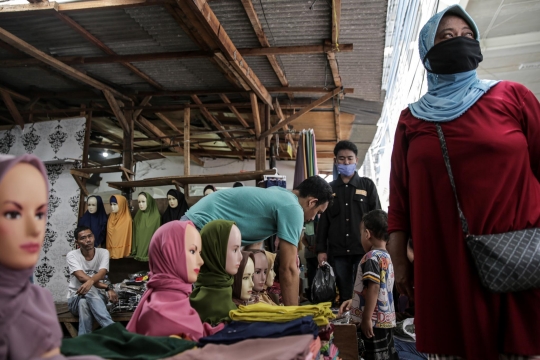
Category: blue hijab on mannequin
<point>448,96</point>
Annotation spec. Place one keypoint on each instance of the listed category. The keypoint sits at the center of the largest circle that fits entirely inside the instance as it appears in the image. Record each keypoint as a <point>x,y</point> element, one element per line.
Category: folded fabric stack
<point>321,313</point>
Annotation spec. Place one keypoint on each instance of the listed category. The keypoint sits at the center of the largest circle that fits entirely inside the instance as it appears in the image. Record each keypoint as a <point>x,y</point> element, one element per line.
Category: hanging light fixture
<point>105,153</point>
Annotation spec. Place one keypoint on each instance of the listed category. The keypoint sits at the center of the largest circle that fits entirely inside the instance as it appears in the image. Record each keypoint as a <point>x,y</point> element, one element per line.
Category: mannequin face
<point>114,207</point>
<point>92,205</point>
<point>247,281</point>
<point>23,215</point>
<point>193,248</point>
<point>173,202</point>
<point>142,202</point>
<point>208,192</point>
<point>261,270</point>
<point>234,255</point>
<point>270,277</point>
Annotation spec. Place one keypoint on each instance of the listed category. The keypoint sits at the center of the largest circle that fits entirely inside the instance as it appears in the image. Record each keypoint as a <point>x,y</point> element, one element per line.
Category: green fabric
<point>212,296</point>
<point>258,213</point>
<point>145,225</point>
<point>115,342</point>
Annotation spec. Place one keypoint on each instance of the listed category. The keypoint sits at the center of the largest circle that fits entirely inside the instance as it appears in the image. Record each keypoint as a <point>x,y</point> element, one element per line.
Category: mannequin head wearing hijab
<point>208,189</point>
<point>23,209</point>
<point>173,202</point>
<point>271,275</point>
<point>243,280</point>
<point>192,250</point>
<point>114,205</point>
<point>234,254</point>
<point>92,204</point>
<point>261,270</point>
<point>141,199</point>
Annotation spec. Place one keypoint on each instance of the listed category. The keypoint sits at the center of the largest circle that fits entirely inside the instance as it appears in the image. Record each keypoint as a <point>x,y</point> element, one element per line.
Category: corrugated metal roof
<point>261,66</point>
<point>35,78</point>
<point>307,70</point>
<point>233,18</point>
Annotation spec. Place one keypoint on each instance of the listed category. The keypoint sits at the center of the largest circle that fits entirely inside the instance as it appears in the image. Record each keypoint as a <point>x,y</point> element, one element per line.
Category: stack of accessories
<point>237,331</point>
<point>130,292</point>
<point>295,347</point>
<point>261,312</point>
<point>115,342</point>
<point>345,318</point>
<point>329,351</point>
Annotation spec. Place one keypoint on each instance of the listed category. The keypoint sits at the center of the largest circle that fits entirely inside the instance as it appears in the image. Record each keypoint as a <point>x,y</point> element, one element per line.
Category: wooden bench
<point>69,322</point>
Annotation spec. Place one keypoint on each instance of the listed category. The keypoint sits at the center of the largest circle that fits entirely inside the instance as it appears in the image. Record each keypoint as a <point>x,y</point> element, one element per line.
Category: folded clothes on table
<point>268,313</point>
<point>238,331</point>
<point>115,342</point>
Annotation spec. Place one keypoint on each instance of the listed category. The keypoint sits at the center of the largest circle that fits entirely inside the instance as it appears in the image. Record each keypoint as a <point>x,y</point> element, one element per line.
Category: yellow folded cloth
<point>268,313</point>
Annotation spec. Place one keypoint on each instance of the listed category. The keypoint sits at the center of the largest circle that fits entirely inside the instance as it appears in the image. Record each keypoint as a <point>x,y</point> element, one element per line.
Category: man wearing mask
<point>338,233</point>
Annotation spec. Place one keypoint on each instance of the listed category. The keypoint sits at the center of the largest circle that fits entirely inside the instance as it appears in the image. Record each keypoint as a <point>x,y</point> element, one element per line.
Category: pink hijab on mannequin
<point>164,309</point>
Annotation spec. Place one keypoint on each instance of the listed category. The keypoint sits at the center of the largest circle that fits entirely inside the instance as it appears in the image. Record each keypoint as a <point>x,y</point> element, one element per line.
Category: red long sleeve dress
<point>494,151</point>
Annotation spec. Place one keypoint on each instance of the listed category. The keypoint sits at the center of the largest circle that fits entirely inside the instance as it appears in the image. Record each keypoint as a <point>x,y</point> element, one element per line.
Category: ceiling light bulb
<point>105,154</point>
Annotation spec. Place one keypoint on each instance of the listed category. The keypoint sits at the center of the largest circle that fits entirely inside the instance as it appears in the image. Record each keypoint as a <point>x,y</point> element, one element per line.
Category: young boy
<point>372,305</point>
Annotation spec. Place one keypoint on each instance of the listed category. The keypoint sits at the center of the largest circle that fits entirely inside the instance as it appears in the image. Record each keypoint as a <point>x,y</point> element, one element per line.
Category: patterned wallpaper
<point>50,141</point>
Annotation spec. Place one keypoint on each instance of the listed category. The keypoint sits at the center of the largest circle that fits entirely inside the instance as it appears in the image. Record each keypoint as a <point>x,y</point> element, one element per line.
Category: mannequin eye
<point>12,215</point>
<point>192,252</point>
<point>40,215</point>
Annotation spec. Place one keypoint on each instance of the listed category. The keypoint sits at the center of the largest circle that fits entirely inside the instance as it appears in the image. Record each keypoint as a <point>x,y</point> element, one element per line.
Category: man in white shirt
<point>87,295</point>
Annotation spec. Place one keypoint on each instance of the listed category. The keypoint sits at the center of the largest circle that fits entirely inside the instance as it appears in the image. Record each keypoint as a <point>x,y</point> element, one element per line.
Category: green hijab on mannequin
<point>212,296</point>
<point>145,224</point>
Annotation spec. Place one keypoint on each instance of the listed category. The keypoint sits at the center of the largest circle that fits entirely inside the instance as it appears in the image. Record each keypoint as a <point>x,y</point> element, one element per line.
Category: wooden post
<point>86,145</point>
<point>337,124</point>
<point>187,119</point>
<point>267,125</point>
<point>127,151</point>
<point>256,115</point>
<point>260,155</point>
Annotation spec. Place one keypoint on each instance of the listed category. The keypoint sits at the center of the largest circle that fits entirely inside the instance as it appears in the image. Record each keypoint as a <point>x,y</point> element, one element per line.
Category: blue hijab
<point>448,96</point>
<point>97,222</point>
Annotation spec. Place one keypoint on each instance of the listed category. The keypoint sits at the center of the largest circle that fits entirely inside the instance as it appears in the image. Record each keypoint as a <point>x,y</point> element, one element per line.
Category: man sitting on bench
<point>87,296</point>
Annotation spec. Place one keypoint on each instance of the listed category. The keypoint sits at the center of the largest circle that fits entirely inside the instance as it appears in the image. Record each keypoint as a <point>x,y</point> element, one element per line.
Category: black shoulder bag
<point>506,262</point>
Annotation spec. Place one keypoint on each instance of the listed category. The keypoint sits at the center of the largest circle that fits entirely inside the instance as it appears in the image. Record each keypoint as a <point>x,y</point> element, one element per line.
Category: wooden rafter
<point>169,123</point>
<point>25,47</point>
<point>263,40</point>
<point>13,110</point>
<point>77,6</point>
<point>236,112</point>
<point>256,115</point>
<point>115,107</point>
<point>95,41</point>
<point>281,118</point>
<point>337,123</point>
<point>331,55</point>
<point>302,112</point>
<point>212,26</point>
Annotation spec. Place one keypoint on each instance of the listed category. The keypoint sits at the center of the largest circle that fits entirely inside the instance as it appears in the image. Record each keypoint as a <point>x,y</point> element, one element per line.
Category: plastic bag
<point>324,284</point>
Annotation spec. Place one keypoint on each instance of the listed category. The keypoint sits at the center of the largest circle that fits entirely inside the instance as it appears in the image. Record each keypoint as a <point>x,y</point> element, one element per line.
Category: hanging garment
<point>237,279</point>
<point>145,224</point>
<point>164,310</point>
<point>97,222</point>
<point>176,213</point>
<point>119,229</point>
<point>212,296</point>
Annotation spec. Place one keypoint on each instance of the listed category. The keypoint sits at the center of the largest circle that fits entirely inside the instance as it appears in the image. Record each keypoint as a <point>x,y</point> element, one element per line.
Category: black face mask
<point>454,56</point>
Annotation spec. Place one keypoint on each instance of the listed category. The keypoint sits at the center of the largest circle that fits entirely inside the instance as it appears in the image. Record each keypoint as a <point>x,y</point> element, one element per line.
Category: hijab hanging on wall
<point>164,310</point>
<point>212,297</point>
<point>449,95</point>
<point>145,224</point>
<point>176,213</point>
<point>119,229</point>
<point>237,279</point>
<point>97,222</point>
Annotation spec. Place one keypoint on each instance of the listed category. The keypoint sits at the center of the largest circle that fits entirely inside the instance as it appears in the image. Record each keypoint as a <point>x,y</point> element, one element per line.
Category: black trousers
<point>345,268</point>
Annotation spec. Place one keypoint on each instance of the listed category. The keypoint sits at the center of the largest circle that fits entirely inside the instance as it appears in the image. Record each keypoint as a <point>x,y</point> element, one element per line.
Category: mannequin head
<point>208,190</point>
<point>261,270</point>
<point>142,201</point>
<point>247,280</point>
<point>23,214</point>
<point>92,204</point>
<point>271,275</point>
<point>193,246</point>
<point>234,254</point>
<point>114,205</point>
<point>173,202</point>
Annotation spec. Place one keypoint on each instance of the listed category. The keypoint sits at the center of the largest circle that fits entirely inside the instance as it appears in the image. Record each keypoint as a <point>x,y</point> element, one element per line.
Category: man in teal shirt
<point>261,213</point>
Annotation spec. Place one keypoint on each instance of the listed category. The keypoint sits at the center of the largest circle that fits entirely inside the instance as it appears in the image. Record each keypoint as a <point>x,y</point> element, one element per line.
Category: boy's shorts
<point>379,347</point>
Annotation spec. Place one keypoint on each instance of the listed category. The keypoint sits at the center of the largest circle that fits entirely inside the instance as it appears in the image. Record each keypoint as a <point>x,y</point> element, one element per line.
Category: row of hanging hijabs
<point>306,157</point>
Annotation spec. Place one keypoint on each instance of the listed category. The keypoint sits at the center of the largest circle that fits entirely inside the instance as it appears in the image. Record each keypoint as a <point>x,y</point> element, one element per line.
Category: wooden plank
<point>95,41</point>
<point>143,102</point>
<point>169,123</point>
<point>336,121</point>
<point>267,125</point>
<point>260,155</point>
<point>187,146</point>
<point>273,90</point>
<point>15,95</point>
<point>194,179</point>
<point>236,112</point>
<point>12,108</point>
<point>229,71</point>
<point>116,110</point>
<point>82,174</point>
<point>127,147</point>
<point>212,25</point>
<point>331,56</point>
<point>294,50</point>
<point>302,112</point>
<point>78,6</point>
<point>256,115</point>
<point>71,329</point>
<point>101,170</point>
<point>336,20</point>
<point>25,47</point>
<point>81,185</point>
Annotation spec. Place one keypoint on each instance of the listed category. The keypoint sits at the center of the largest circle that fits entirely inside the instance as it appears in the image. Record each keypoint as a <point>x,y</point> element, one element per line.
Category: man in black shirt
<point>338,233</point>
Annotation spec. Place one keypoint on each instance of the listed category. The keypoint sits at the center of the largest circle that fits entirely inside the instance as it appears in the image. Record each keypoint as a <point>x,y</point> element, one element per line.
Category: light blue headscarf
<point>448,96</point>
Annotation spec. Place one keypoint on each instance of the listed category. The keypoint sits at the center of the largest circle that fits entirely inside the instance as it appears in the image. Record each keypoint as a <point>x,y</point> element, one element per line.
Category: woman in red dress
<point>492,131</point>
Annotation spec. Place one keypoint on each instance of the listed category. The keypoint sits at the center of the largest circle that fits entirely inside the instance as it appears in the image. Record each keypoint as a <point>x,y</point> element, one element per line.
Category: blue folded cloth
<point>237,331</point>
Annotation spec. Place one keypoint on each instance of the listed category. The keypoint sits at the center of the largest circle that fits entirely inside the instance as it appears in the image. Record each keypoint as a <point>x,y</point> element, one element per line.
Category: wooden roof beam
<point>25,47</point>
<point>38,5</point>
<point>6,97</point>
<point>302,112</point>
<point>236,112</point>
<point>212,26</point>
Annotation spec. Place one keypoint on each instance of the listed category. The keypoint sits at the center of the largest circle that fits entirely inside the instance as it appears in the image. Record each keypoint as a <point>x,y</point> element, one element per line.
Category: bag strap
<point>464,224</point>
